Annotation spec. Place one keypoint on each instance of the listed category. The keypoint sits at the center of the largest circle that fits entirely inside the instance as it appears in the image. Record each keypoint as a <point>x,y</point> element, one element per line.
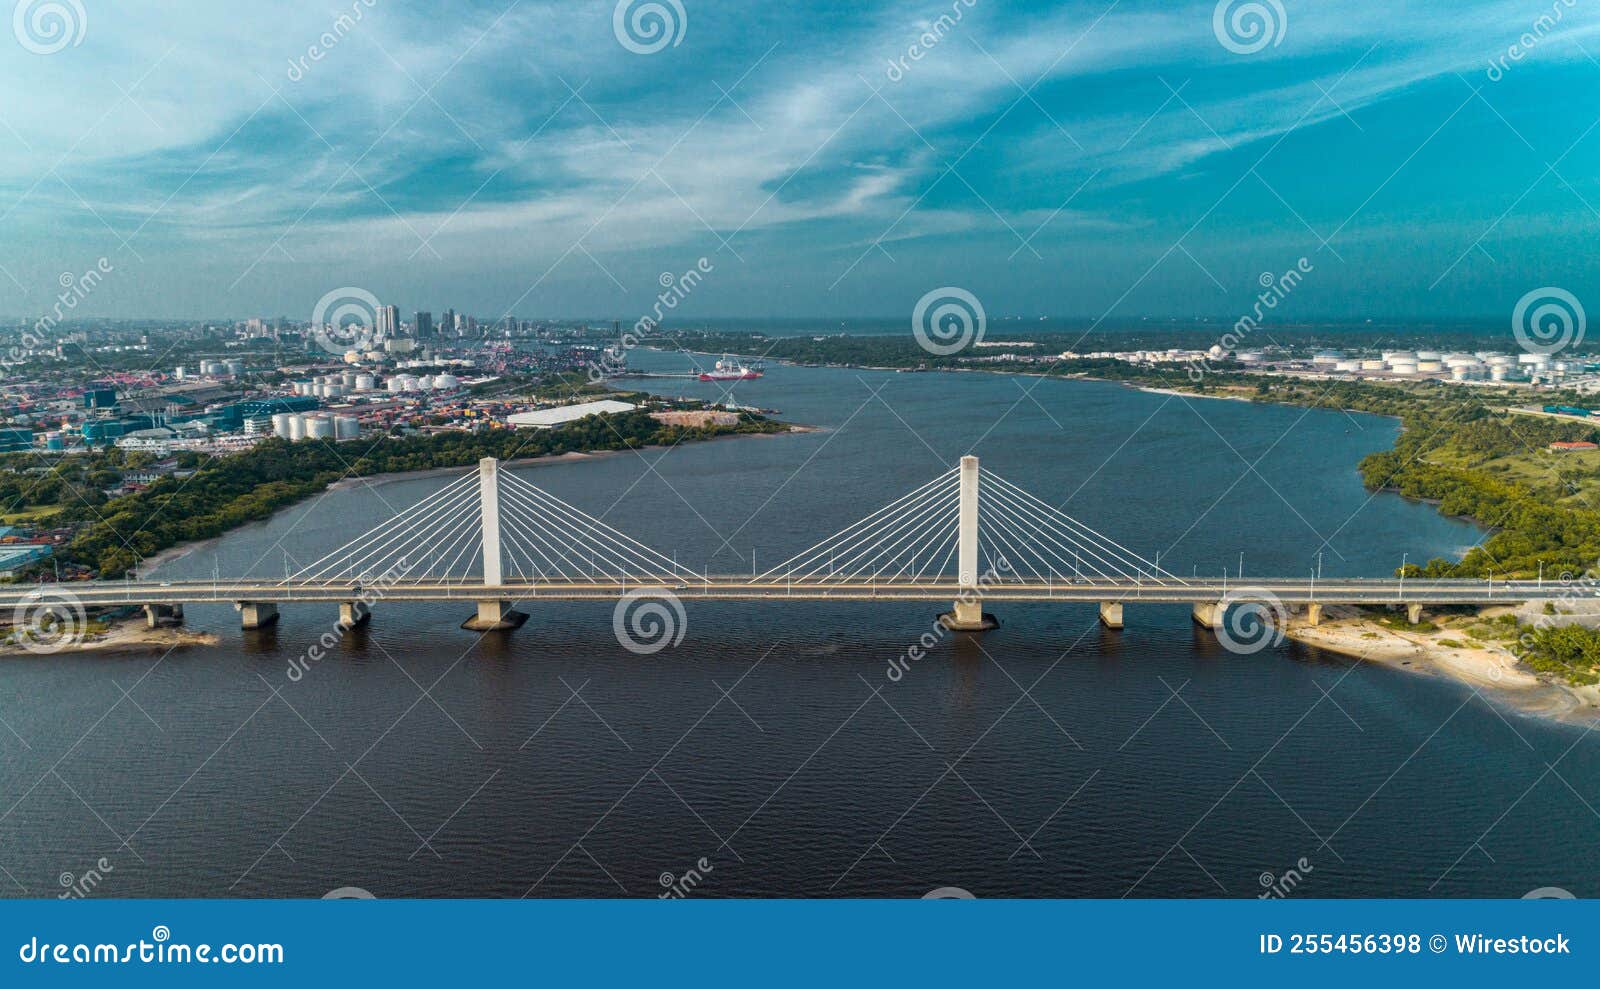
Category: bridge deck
<point>732,588</point>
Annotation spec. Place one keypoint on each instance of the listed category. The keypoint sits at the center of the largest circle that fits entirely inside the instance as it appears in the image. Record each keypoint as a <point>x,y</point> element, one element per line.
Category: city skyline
<point>1085,161</point>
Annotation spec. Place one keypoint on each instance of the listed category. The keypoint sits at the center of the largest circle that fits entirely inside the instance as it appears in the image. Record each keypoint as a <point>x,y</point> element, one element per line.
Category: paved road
<point>1295,591</point>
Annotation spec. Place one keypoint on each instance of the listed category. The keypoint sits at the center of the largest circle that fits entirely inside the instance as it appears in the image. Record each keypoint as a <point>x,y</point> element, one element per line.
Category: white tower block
<point>967,614</point>
<point>489,500</point>
<point>967,554</point>
<point>494,614</point>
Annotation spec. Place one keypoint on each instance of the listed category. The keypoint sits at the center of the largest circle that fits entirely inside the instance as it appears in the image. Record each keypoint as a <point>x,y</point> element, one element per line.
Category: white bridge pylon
<point>990,529</point>
<point>493,525</point>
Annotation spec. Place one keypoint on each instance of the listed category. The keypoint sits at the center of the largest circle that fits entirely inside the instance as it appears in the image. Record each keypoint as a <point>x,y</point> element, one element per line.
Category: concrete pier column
<point>967,614</point>
<point>1209,613</point>
<point>1414,613</point>
<point>1111,614</point>
<point>495,616</point>
<point>1313,614</point>
<point>354,613</point>
<point>256,614</point>
<point>156,615</point>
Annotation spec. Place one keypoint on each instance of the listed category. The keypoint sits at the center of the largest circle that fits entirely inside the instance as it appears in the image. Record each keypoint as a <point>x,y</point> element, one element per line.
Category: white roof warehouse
<point>551,418</point>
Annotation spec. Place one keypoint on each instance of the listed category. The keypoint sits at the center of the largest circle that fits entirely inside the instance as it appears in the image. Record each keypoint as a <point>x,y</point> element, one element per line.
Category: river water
<point>769,754</point>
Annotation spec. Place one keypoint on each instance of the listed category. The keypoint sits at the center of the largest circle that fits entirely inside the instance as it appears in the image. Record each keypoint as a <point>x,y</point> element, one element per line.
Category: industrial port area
<point>109,409</point>
<point>1482,369</point>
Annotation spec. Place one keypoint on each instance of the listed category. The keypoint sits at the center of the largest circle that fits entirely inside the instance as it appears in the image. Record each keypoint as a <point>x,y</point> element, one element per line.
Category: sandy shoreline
<point>1448,652</point>
<point>128,635</point>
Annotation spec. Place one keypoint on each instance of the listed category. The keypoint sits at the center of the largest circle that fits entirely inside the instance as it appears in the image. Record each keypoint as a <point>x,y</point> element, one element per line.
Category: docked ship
<point>729,369</point>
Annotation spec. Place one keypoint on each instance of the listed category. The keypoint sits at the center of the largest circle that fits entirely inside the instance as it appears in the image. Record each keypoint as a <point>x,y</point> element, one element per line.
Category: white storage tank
<point>1327,358</point>
<point>366,382</point>
<point>1248,356</point>
<point>395,384</point>
<point>1429,367</point>
<point>280,425</point>
<point>1370,365</point>
<point>346,427</point>
<point>1429,355</point>
<point>1347,366</point>
<point>319,427</point>
<point>1403,367</point>
<point>447,382</point>
<point>297,428</point>
<point>235,368</point>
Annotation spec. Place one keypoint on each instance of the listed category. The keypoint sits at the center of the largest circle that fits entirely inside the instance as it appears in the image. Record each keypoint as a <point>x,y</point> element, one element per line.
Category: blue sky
<point>1075,159</point>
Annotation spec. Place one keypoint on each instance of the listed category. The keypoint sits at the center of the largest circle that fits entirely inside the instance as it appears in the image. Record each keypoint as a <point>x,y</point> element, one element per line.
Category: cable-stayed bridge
<point>964,538</point>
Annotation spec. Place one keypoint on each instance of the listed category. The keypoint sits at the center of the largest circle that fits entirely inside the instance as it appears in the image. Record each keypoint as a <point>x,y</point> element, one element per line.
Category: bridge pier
<point>256,614</point>
<point>1111,614</point>
<point>354,613</point>
<point>968,616</point>
<point>156,615</point>
<point>1313,614</point>
<point>1414,614</point>
<point>1209,614</point>
<point>495,616</point>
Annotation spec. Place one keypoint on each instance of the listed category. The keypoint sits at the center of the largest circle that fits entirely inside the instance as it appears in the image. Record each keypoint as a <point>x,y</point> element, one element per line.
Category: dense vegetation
<point>229,491</point>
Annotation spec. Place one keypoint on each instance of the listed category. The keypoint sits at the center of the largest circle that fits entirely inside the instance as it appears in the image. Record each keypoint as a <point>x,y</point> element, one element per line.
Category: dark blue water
<point>1047,758</point>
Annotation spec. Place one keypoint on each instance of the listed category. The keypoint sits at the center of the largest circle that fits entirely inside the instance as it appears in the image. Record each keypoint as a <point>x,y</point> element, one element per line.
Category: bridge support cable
<point>401,546</point>
<point>1034,547</point>
<point>548,528</point>
<point>1058,531</point>
<point>891,529</point>
<point>895,545</point>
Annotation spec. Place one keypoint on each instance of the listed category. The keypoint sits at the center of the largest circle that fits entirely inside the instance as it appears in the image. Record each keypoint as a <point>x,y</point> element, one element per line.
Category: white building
<point>551,418</point>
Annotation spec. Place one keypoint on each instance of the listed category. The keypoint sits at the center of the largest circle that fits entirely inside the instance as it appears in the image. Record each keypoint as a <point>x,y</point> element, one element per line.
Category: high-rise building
<point>424,325</point>
<point>447,326</point>
<point>388,321</point>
